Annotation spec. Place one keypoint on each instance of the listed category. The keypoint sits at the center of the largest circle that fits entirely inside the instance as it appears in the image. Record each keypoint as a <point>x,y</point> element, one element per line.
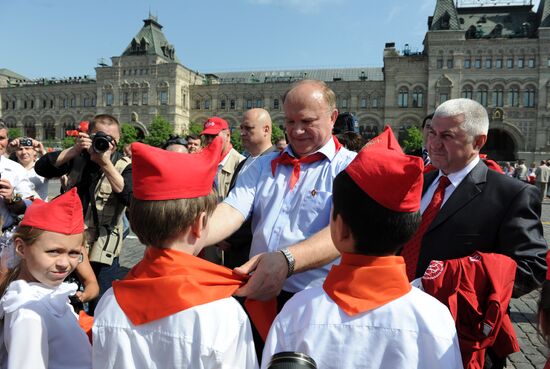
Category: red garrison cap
<point>387,175</point>
<point>214,125</point>
<point>165,175</point>
<point>61,215</point>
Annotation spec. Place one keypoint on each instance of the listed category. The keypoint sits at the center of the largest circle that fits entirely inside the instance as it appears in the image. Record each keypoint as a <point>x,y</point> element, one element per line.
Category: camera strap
<point>116,159</point>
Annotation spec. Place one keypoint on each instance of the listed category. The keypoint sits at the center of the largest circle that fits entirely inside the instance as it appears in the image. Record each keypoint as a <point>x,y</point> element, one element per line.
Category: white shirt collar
<point>329,149</point>
<point>457,177</point>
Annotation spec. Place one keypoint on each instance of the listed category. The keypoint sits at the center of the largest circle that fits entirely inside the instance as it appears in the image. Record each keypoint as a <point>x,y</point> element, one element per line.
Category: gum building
<point>495,52</point>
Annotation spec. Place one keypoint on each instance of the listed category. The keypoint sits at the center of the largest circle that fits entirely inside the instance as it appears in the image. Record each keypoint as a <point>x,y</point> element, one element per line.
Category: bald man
<point>288,196</point>
<point>256,139</point>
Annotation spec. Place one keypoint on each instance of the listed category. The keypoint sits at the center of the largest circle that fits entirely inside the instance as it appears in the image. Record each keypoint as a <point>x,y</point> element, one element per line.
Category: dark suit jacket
<point>489,212</point>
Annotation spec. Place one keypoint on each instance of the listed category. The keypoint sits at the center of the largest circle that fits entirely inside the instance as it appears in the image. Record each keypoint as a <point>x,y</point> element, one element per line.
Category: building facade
<point>496,53</point>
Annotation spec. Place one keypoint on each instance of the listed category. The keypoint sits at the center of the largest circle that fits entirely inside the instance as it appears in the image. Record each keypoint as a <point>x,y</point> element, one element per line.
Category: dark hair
<point>544,312</point>
<point>192,136</point>
<point>346,122</point>
<point>427,118</point>
<point>377,230</point>
<point>351,140</point>
<point>175,140</point>
<point>153,221</point>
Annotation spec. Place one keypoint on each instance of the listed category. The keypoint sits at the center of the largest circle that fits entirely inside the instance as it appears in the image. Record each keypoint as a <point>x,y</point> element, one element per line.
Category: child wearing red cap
<point>366,314</point>
<point>39,326</point>
<point>173,309</point>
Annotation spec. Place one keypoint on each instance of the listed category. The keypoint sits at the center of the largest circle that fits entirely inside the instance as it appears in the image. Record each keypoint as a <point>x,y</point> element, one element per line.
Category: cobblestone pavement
<point>523,311</point>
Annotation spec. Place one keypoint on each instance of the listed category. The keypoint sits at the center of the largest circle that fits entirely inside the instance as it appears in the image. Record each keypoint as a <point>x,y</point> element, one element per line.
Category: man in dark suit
<point>481,209</point>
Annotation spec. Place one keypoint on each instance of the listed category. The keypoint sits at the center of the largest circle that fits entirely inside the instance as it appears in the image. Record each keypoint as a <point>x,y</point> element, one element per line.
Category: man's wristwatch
<point>290,261</point>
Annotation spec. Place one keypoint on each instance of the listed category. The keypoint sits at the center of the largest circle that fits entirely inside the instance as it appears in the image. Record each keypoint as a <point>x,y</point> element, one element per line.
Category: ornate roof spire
<point>445,16</point>
<point>544,13</point>
<point>150,40</point>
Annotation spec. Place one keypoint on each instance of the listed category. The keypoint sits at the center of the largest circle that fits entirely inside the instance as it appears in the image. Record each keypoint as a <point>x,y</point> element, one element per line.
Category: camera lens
<point>101,141</point>
<point>291,360</point>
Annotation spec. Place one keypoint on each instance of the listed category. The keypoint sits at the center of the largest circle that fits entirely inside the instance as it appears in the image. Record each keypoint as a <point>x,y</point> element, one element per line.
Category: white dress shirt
<point>17,175</point>
<point>413,331</point>
<point>213,335</point>
<point>455,179</point>
<point>282,217</point>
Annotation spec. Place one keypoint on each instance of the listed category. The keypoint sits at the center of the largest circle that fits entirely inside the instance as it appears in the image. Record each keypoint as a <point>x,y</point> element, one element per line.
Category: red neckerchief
<point>168,281</point>
<point>285,159</point>
<point>361,283</point>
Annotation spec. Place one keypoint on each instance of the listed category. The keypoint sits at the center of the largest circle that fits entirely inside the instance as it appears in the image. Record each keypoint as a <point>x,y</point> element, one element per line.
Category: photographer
<point>25,151</point>
<point>103,178</point>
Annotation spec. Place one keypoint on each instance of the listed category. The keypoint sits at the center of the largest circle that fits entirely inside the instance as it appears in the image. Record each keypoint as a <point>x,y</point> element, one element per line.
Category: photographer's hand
<point>6,190</point>
<point>39,147</point>
<point>82,143</point>
<point>102,158</point>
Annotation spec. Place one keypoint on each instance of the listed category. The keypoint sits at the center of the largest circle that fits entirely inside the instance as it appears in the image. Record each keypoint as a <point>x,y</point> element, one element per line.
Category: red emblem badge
<point>434,270</point>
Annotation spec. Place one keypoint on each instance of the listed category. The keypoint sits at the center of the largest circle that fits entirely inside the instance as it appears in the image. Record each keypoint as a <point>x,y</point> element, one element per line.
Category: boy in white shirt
<point>173,310</point>
<point>366,314</point>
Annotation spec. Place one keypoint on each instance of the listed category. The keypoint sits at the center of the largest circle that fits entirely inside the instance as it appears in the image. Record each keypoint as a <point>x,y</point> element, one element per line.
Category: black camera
<point>291,360</point>
<point>25,141</point>
<point>101,141</point>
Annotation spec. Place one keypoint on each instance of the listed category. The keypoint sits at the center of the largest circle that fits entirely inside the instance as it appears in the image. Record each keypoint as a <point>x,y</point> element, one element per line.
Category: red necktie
<point>411,250</point>
<point>286,159</point>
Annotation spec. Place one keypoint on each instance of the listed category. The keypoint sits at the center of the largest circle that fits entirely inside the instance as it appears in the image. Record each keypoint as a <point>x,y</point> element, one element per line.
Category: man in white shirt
<point>15,187</point>
<point>288,197</point>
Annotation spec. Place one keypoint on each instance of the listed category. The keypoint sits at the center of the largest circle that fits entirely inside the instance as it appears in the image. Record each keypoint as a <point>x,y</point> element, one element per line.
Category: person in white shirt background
<point>26,152</point>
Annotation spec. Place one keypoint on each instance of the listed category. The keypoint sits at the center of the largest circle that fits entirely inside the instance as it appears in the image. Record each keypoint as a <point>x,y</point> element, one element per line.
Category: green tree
<point>276,133</point>
<point>236,140</point>
<point>14,133</point>
<point>67,142</point>
<point>413,141</point>
<point>159,131</point>
<point>128,134</point>
<point>195,129</point>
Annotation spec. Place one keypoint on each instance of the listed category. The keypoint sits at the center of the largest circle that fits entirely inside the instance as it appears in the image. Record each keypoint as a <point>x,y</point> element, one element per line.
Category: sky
<point>63,38</point>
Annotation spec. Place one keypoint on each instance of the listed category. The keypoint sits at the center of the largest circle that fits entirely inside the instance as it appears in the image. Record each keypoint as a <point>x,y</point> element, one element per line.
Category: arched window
<point>529,97</point>
<point>403,97</point>
<point>418,98</point>
<point>482,95</point>
<point>513,96</point>
<point>467,92</point>
<point>498,96</point>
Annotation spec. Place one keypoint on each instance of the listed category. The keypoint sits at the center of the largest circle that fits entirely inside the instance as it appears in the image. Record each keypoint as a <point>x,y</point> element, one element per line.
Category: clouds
<point>302,6</point>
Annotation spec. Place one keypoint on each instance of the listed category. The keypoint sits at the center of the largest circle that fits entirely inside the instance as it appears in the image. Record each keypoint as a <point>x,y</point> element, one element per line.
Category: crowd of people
<point>354,257</point>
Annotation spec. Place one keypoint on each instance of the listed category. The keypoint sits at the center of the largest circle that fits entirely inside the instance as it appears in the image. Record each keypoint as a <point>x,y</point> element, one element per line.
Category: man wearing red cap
<point>214,127</point>
<point>366,314</point>
<point>173,310</point>
<point>288,196</point>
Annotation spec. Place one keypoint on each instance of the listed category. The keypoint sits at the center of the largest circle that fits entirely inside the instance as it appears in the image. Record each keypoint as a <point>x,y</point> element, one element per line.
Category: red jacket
<point>477,289</point>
